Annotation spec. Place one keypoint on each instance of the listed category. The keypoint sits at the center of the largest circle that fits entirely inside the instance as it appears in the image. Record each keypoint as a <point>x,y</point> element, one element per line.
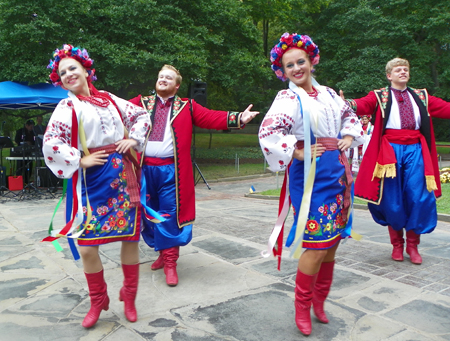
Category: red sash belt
<point>330,144</point>
<point>385,166</point>
<point>132,176</point>
<point>156,161</point>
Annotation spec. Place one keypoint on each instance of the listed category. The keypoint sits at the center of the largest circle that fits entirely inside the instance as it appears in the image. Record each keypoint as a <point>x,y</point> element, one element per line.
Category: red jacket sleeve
<point>438,107</point>
<point>365,105</point>
<point>214,119</point>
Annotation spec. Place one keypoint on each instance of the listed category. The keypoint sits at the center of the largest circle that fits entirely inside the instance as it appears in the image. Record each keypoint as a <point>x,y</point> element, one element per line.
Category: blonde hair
<point>395,62</point>
<point>170,67</point>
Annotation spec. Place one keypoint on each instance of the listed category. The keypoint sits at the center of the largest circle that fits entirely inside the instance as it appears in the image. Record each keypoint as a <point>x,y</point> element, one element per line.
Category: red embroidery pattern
<point>160,121</point>
<point>405,108</point>
<point>58,130</point>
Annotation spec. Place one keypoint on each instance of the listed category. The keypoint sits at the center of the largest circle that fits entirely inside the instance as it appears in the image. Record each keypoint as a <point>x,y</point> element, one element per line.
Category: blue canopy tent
<point>39,96</point>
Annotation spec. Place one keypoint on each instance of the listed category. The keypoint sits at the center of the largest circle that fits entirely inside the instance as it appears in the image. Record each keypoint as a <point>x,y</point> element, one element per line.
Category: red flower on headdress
<point>54,77</point>
<point>288,40</point>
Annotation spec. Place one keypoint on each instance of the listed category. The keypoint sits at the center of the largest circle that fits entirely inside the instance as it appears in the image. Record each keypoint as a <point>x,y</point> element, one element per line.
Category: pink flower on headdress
<point>67,47</point>
<point>279,73</point>
<point>315,60</point>
<point>277,50</point>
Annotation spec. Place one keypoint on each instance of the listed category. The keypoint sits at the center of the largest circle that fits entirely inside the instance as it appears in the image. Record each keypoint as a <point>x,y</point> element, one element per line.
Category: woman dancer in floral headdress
<point>86,140</point>
<point>305,133</point>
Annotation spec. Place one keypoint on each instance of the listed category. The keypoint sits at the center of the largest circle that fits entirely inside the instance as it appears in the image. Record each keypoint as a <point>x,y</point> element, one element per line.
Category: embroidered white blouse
<point>103,126</point>
<point>282,126</point>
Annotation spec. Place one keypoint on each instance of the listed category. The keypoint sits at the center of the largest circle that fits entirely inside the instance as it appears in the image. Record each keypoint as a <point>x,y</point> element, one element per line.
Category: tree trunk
<point>265,25</point>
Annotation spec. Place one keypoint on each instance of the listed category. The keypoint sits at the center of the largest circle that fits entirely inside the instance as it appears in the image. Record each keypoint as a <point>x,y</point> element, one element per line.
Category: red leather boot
<point>99,298</point>
<point>170,265</point>
<point>412,240</point>
<point>159,263</point>
<point>304,286</point>
<point>129,290</point>
<point>397,242</point>
<point>321,290</point>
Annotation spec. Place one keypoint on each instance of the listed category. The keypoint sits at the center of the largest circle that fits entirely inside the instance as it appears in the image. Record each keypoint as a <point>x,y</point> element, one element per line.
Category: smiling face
<point>399,77</point>
<point>73,76</point>
<point>166,85</point>
<point>297,68</point>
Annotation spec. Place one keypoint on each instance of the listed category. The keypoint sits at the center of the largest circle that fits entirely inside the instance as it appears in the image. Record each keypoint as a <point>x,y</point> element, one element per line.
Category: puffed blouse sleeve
<point>136,120</point>
<point>276,132</point>
<point>62,159</point>
<point>350,123</point>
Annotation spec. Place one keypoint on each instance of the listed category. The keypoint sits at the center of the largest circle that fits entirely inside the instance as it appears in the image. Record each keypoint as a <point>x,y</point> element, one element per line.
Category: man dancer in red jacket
<point>167,165</point>
<point>399,174</point>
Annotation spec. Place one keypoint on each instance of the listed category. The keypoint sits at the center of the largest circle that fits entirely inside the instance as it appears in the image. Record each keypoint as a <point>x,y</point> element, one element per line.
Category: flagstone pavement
<point>227,291</point>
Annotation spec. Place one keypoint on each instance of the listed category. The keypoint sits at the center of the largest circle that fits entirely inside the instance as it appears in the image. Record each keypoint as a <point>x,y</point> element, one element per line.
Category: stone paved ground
<point>226,291</point>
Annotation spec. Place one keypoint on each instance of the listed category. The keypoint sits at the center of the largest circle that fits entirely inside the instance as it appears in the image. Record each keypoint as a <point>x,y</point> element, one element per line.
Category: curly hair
<point>289,41</point>
<point>68,51</point>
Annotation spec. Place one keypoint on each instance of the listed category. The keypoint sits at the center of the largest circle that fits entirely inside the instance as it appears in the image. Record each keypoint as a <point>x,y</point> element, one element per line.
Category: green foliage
<point>441,129</point>
<point>357,38</point>
<point>225,43</point>
<point>131,39</point>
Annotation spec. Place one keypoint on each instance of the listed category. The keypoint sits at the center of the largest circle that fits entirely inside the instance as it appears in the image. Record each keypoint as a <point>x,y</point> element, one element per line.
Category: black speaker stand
<point>200,175</point>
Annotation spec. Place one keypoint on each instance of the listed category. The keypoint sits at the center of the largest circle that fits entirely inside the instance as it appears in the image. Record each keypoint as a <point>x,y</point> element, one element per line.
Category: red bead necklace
<point>313,93</point>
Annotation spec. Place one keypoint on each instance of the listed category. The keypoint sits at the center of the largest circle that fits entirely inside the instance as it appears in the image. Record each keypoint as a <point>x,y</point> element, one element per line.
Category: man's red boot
<point>170,265</point>
<point>412,240</point>
<point>158,263</point>
<point>397,242</point>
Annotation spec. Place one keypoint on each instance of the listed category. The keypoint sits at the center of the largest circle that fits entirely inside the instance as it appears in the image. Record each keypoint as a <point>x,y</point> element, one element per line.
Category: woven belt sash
<point>132,176</point>
<point>385,166</point>
<point>330,144</point>
<point>156,161</point>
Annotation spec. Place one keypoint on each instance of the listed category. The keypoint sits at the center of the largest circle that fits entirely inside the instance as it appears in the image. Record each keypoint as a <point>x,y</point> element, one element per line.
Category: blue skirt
<point>325,225</point>
<point>113,218</point>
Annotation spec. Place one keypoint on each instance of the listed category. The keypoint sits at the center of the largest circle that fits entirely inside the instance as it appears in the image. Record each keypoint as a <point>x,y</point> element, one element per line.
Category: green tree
<point>358,37</point>
<point>131,39</point>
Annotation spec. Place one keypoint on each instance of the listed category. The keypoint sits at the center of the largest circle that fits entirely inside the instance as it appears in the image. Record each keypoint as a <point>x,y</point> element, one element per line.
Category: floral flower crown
<point>287,42</point>
<point>68,51</point>
<point>368,116</point>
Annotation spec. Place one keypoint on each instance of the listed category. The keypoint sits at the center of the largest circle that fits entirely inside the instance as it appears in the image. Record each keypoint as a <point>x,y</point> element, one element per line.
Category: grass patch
<point>225,146</point>
<point>443,150</point>
<point>275,192</point>
<point>214,172</point>
<point>443,204</point>
<point>226,140</point>
<point>226,153</point>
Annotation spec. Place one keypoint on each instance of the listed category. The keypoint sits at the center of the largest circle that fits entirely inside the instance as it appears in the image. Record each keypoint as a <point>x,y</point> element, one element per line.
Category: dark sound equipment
<point>197,91</point>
